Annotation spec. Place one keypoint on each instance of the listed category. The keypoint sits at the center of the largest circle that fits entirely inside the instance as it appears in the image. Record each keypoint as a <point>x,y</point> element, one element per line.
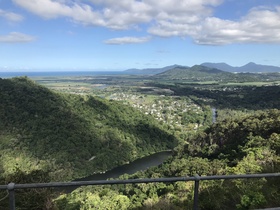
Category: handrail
<point>11,187</point>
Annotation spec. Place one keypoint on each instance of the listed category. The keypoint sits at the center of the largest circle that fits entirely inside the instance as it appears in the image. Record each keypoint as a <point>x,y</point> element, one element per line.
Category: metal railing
<point>11,187</point>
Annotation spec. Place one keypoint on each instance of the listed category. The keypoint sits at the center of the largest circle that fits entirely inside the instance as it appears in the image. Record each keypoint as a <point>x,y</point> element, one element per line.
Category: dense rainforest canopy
<point>71,136</point>
<point>52,136</point>
<point>249,144</point>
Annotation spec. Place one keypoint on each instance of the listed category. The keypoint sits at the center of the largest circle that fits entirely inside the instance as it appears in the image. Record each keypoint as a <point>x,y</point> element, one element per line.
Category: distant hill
<point>249,67</point>
<point>196,73</point>
<point>150,71</point>
<point>200,73</point>
<point>71,136</point>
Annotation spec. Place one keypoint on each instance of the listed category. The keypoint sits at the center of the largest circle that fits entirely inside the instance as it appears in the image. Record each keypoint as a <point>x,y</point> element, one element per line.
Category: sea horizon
<point>9,74</point>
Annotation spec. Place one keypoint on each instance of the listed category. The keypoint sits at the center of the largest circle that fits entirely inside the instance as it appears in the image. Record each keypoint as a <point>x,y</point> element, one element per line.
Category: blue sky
<point>117,35</point>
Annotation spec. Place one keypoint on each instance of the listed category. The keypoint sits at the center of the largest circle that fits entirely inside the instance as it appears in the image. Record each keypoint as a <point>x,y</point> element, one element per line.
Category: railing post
<point>196,186</point>
<point>12,201</point>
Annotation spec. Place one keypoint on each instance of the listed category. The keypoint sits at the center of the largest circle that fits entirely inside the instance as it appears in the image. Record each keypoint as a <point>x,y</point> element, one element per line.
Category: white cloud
<point>10,16</point>
<point>166,18</point>
<point>15,37</point>
<point>122,14</point>
<point>259,26</point>
<point>127,40</point>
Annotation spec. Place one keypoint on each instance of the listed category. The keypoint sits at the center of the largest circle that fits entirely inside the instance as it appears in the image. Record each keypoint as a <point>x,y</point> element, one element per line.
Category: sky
<point>100,35</point>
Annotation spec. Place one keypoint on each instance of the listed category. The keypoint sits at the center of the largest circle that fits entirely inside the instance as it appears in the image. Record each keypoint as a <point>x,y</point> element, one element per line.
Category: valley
<point>110,120</point>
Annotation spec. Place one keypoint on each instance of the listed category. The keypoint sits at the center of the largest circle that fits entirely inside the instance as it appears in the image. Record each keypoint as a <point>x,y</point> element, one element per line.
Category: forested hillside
<point>50,136</point>
<point>200,73</point>
<point>70,136</point>
<point>250,144</point>
<point>249,67</point>
<point>197,73</point>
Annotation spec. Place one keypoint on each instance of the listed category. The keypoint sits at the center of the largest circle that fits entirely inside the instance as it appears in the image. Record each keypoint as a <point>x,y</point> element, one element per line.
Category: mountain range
<point>248,68</point>
<point>150,71</point>
<point>199,73</point>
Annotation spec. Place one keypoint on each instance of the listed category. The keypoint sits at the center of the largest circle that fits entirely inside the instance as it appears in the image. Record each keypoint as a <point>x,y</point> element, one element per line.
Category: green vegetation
<point>229,97</point>
<point>200,73</point>
<point>41,130</point>
<point>249,144</point>
<point>76,126</point>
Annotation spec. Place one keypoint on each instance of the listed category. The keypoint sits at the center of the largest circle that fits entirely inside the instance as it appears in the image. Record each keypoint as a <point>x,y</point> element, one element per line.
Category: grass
<point>91,84</point>
<point>251,83</point>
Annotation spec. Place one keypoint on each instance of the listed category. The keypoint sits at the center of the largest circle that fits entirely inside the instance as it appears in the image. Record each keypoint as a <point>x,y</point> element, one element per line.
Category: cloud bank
<point>10,16</point>
<point>165,18</point>
<point>127,40</point>
<point>15,37</point>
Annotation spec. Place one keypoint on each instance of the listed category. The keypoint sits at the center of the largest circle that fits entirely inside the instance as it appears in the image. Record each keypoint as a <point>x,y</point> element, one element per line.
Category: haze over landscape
<point>58,35</point>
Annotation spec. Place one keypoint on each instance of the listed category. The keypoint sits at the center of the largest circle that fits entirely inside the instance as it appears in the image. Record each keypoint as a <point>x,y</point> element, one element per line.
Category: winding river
<point>137,165</point>
<point>131,168</point>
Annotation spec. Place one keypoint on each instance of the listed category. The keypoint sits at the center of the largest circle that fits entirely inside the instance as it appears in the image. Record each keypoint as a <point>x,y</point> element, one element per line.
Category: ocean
<point>59,73</point>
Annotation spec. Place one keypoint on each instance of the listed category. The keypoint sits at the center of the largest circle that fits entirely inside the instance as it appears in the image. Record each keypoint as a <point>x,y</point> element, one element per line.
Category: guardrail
<point>11,187</point>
